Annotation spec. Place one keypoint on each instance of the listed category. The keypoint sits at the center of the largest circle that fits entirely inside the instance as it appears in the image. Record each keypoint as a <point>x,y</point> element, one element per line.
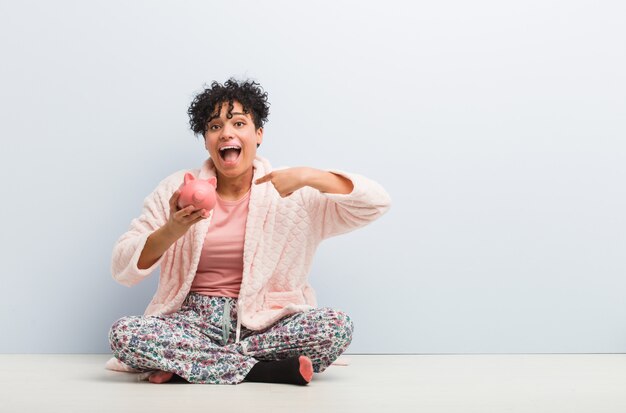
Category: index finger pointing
<point>264,179</point>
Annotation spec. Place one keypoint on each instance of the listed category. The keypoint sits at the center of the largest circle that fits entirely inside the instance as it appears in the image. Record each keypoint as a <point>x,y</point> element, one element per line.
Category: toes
<point>160,377</point>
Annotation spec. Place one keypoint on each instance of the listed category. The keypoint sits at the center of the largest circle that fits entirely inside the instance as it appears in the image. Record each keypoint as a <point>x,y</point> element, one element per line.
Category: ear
<point>213,181</point>
<point>189,177</point>
<point>259,136</point>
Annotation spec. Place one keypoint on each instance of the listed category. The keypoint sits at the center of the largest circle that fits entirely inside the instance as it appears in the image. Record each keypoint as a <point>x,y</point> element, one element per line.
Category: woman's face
<point>232,142</point>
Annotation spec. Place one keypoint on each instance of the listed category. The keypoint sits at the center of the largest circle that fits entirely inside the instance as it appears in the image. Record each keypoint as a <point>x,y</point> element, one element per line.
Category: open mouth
<point>230,154</point>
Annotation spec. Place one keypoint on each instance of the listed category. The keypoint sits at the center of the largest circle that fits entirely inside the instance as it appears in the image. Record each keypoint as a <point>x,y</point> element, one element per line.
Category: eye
<point>213,126</point>
<point>240,122</point>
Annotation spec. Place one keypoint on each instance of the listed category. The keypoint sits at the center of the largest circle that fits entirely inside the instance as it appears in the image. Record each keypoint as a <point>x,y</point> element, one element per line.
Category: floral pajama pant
<point>198,341</point>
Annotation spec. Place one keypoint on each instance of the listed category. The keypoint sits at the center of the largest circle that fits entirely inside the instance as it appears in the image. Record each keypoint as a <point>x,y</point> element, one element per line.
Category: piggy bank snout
<point>199,196</point>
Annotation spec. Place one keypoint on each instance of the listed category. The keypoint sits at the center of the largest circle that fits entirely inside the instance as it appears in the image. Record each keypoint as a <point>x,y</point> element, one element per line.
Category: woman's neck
<point>233,189</point>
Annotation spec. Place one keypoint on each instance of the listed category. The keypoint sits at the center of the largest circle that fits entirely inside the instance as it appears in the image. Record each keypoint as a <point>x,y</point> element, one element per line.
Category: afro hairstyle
<point>248,93</point>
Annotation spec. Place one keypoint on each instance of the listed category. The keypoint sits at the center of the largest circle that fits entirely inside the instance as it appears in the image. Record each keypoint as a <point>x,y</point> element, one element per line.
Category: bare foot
<point>306,368</point>
<point>160,377</point>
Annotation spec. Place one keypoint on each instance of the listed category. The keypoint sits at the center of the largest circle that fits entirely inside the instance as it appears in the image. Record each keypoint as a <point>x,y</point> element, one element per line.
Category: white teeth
<point>229,147</point>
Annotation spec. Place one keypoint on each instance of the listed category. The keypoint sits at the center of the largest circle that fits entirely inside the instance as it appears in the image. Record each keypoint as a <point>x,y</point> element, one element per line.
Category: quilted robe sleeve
<point>129,246</point>
<point>335,214</point>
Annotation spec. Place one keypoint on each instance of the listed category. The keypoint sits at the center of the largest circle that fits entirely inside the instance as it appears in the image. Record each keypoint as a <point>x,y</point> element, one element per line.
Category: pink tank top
<point>220,269</point>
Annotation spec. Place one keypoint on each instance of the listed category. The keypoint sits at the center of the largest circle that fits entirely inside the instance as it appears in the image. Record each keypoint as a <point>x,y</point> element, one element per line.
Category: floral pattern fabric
<point>198,341</point>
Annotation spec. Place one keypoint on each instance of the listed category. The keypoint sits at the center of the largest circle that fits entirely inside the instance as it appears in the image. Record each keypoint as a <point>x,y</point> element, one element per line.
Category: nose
<point>227,132</point>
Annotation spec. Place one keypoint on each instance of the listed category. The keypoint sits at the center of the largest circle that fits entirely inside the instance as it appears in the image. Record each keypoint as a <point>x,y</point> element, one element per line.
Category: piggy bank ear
<point>213,181</point>
<point>189,177</point>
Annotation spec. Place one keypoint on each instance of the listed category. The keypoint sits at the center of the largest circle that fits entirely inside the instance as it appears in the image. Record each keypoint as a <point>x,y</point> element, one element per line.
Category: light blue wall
<point>498,128</point>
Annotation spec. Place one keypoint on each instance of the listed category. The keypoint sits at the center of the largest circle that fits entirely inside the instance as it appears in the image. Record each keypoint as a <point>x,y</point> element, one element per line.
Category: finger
<point>186,211</point>
<point>197,217</point>
<point>174,200</point>
<point>190,218</point>
<point>264,178</point>
<point>192,211</point>
<point>198,213</point>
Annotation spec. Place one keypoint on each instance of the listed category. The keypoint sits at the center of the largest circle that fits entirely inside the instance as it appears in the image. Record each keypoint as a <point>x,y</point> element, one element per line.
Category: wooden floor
<point>371,383</point>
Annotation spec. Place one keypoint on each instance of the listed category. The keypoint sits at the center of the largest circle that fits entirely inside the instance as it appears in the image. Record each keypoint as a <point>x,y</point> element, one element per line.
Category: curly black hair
<point>249,93</point>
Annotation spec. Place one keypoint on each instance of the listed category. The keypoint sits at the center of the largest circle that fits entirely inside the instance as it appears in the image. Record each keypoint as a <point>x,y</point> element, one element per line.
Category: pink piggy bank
<point>198,192</point>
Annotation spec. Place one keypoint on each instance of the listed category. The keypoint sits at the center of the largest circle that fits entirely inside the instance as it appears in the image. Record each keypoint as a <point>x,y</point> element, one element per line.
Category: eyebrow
<point>232,113</point>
